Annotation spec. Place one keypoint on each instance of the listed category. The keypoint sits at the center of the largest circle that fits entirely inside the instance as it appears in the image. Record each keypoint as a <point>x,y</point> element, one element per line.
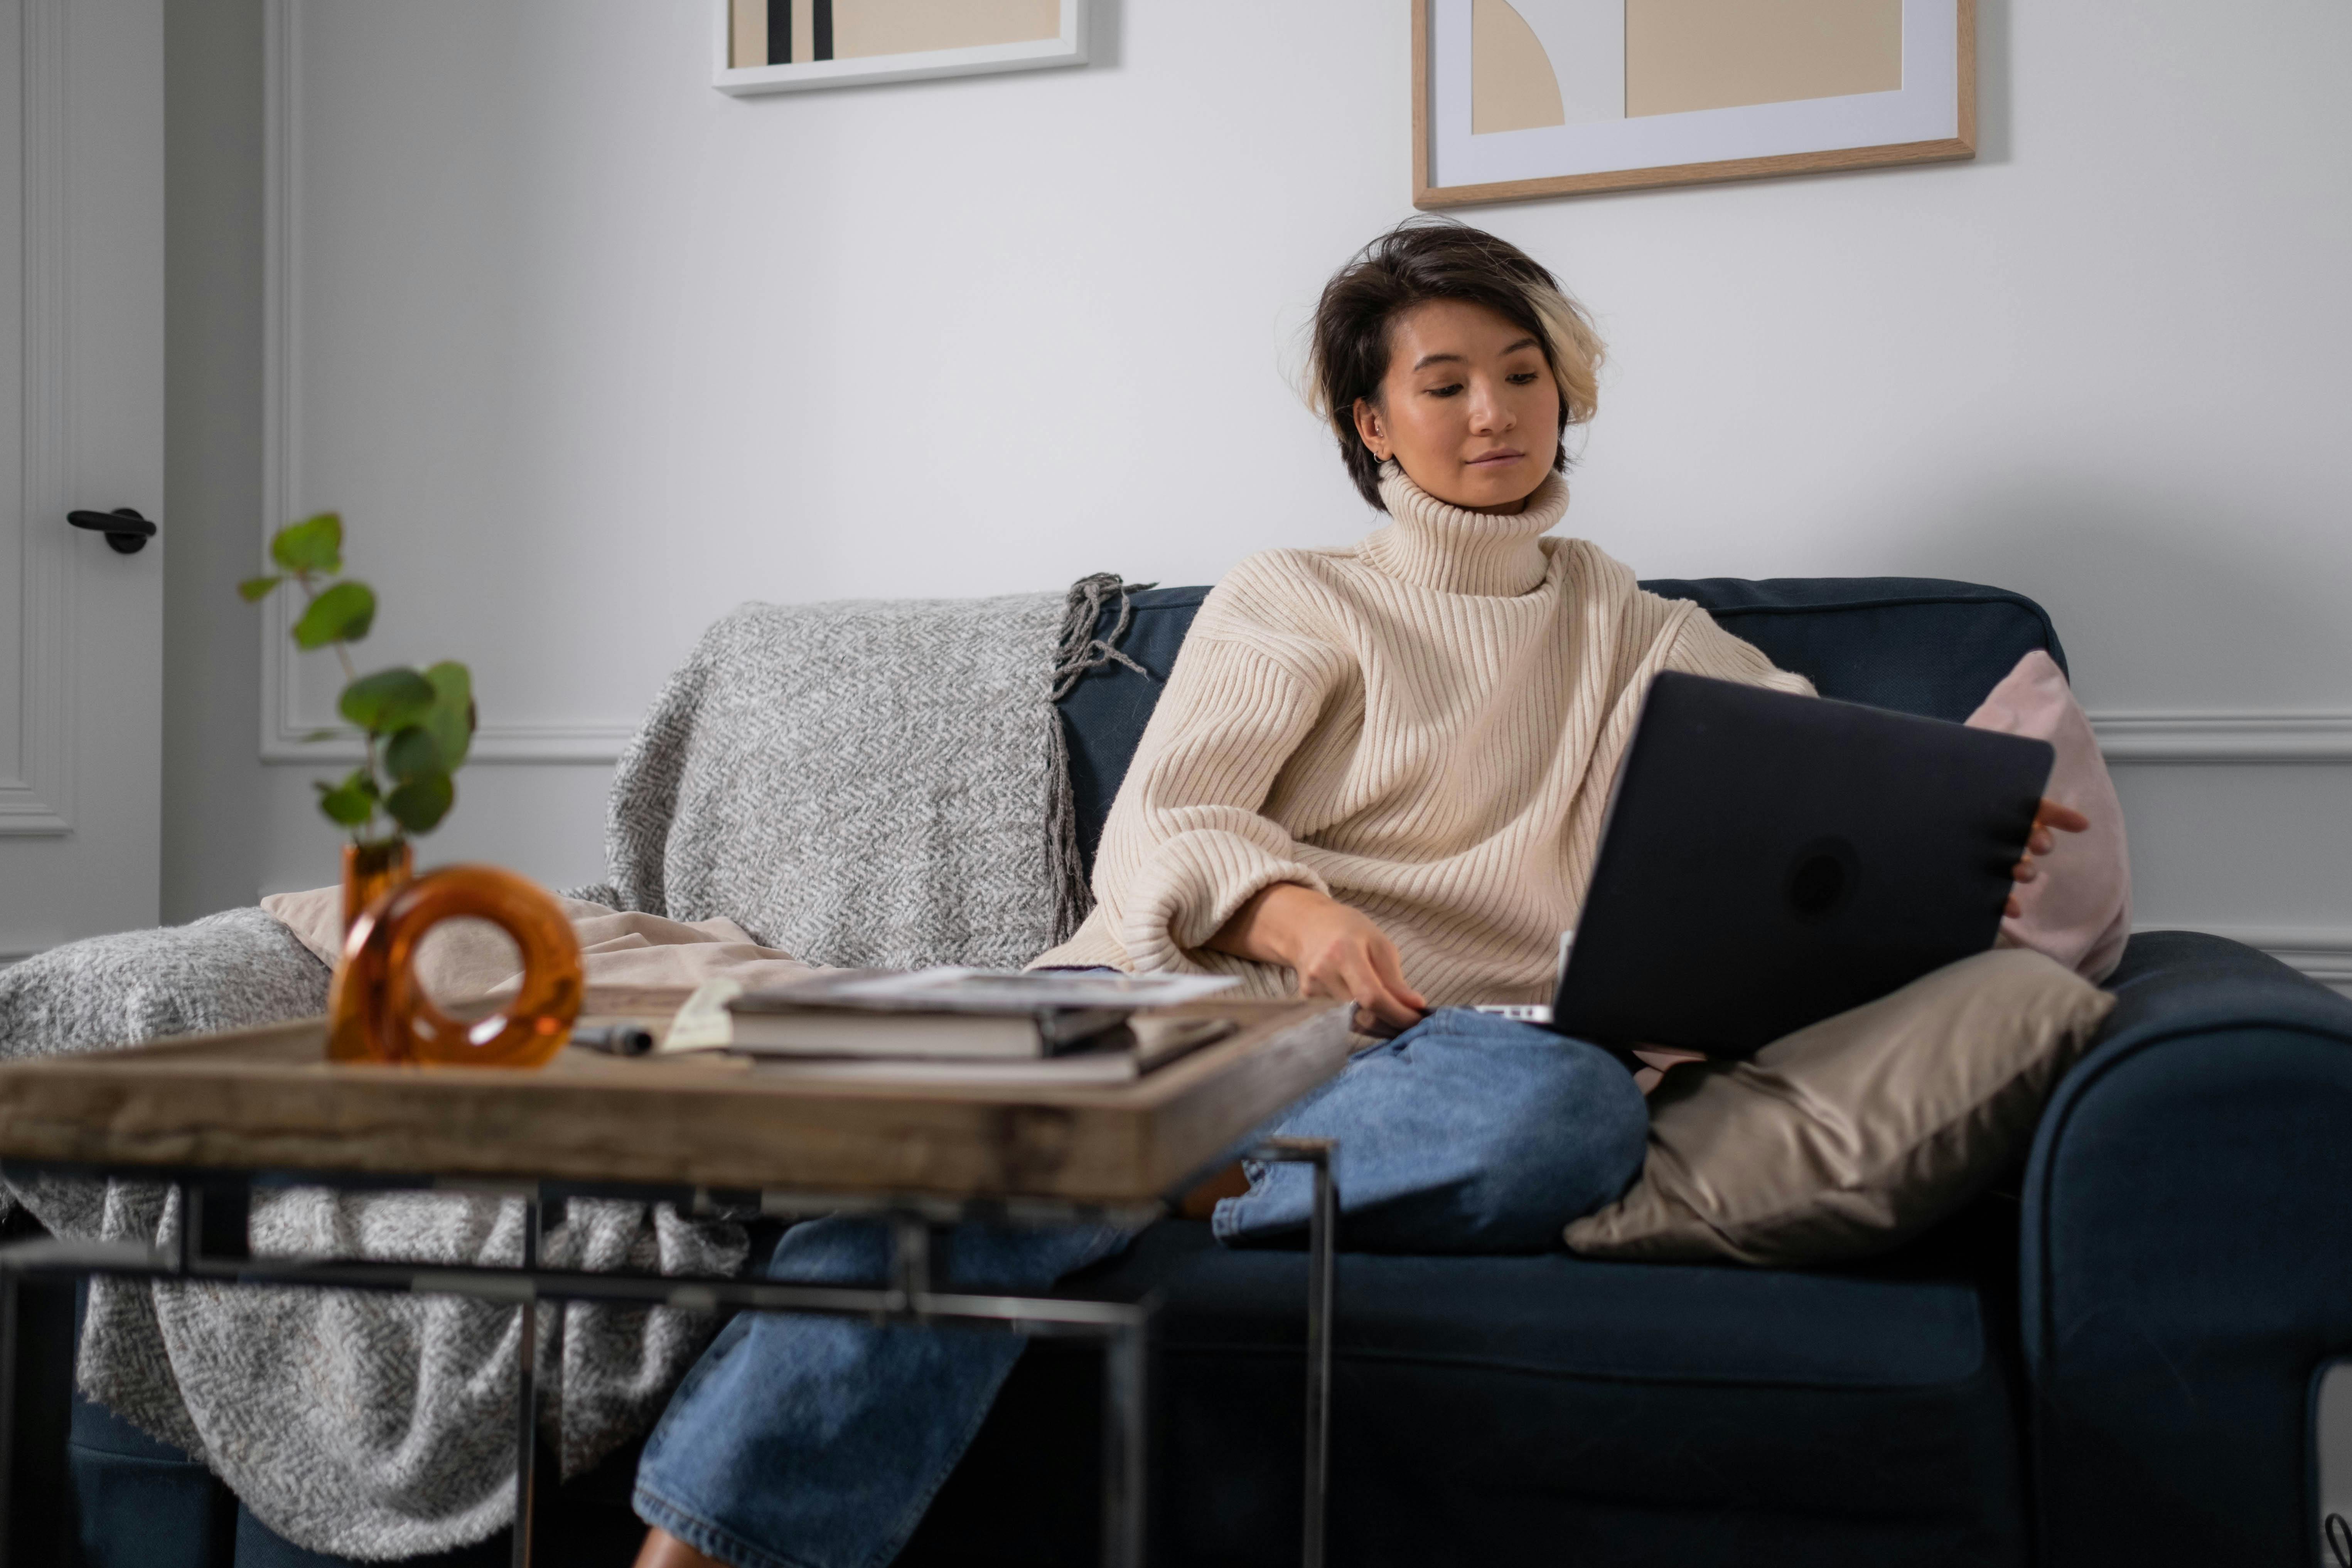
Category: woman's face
<point>1468,406</point>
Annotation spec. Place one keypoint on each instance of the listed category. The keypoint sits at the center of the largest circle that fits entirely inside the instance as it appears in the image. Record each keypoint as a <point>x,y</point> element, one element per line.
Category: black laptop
<point>1769,860</point>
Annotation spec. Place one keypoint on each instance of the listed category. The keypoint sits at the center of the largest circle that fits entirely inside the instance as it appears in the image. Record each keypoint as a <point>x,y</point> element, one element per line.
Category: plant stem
<point>351,673</point>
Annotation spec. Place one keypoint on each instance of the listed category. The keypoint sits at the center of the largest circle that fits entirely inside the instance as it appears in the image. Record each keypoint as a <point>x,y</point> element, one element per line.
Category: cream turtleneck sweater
<point>1423,725</point>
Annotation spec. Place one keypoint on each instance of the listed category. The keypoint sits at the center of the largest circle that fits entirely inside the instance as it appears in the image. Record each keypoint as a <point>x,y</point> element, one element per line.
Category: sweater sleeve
<point>1188,843</point>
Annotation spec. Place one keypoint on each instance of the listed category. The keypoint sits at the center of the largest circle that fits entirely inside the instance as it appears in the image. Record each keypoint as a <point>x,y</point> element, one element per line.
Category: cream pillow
<point>1859,1131</point>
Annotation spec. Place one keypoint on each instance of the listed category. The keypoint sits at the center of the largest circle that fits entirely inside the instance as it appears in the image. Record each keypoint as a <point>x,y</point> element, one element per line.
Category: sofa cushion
<point>1919,645</point>
<point>1542,1408</point>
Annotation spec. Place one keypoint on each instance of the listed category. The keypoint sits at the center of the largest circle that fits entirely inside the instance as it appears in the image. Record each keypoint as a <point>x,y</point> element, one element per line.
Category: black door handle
<point>124,527</point>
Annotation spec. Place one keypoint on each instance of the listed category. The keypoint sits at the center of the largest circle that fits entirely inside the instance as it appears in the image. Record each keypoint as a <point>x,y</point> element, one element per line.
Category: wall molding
<point>38,800</point>
<point>521,743</point>
<point>2248,736</point>
<point>286,733</point>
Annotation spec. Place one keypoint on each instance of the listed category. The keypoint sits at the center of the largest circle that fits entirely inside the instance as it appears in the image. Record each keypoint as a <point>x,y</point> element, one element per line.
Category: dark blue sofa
<point>2110,1358</point>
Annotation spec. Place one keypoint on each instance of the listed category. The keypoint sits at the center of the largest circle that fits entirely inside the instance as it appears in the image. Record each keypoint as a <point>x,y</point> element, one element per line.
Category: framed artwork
<point>783,45</point>
<point>1535,98</point>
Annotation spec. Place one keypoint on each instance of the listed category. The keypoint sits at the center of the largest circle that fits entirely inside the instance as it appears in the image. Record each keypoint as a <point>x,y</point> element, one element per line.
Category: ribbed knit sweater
<point>1423,725</point>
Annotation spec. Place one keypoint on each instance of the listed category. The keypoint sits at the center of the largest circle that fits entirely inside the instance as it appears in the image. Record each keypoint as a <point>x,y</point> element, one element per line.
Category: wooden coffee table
<point>208,1114</point>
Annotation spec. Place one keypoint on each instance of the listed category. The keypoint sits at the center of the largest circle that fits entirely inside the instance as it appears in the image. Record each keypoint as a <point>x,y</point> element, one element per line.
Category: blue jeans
<point>804,1442</point>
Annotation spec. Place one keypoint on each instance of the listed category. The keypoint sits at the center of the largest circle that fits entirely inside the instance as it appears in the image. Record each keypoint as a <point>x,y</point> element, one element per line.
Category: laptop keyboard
<point>1517,1011</point>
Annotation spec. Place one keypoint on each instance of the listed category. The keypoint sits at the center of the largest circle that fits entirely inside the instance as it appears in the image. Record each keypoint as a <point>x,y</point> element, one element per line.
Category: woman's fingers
<point>1354,974</point>
<point>1350,977</point>
<point>1373,994</point>
<point>2064,818</point>
<point>1377,1011</point>
<point>2039,840</point>
<point>1389,967</point>
<point>2012,909</point>
<point>1335,950</point>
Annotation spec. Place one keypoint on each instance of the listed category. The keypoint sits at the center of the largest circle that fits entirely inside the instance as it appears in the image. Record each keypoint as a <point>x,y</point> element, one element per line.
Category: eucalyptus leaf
<point>343,613</point>
<point>419,804</point>
<point>452,719</point>
<point>413,753</point>
<point>253,590</point>
<point>349,803</point>
<point>386,702</point>
<point>315,544</point>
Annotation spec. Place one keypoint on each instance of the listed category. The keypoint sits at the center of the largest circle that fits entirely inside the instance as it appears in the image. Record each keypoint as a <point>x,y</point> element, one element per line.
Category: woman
<point>1377,773</point>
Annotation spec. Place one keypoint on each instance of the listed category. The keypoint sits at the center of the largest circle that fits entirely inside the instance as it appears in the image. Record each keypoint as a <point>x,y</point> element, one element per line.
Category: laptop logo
<point>1822,877</point>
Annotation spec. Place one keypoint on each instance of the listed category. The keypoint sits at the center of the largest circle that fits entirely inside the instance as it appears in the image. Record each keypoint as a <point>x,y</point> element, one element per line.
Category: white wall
<point>587,353</point>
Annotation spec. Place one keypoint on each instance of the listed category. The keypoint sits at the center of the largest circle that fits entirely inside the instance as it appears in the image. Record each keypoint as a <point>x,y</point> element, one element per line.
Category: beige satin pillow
<point>1858,1132</point>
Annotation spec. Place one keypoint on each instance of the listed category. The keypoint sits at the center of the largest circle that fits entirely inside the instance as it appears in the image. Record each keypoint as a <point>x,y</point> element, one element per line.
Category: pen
<point>616,1039</point>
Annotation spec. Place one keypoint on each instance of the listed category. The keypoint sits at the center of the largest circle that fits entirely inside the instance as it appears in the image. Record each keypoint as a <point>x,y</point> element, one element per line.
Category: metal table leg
<point>1125,1428</point>
<point>1322,1279</point>
<point>1125,1481</point>
<point>526,1396</point>
<point>7,1415</point>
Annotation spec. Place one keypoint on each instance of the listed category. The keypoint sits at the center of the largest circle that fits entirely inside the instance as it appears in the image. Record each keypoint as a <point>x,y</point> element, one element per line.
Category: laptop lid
<point>1768,860</point>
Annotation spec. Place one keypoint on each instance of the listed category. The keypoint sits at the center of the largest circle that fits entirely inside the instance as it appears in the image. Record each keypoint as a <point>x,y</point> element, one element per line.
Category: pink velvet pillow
<point>2078,911</point>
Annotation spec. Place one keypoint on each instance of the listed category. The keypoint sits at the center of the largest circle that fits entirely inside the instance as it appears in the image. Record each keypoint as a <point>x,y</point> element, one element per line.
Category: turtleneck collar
<point>1432,544</point>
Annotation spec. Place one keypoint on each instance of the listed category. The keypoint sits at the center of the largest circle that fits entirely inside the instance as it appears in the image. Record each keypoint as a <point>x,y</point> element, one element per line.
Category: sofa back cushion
<point>1917,645</point>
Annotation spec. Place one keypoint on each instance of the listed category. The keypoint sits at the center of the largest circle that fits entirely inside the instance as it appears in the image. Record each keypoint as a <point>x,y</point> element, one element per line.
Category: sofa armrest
<point>2187,1261</point>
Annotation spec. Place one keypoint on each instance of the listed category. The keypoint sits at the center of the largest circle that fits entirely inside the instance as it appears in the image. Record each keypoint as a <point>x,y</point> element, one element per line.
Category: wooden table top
<point>268,1099</point>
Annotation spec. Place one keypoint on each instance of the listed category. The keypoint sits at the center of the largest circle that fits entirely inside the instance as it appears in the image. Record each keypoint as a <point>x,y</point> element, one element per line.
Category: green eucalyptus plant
<point>417,724</point>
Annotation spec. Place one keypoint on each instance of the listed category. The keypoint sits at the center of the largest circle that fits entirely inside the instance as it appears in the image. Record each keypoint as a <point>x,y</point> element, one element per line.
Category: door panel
<point>82,427</point>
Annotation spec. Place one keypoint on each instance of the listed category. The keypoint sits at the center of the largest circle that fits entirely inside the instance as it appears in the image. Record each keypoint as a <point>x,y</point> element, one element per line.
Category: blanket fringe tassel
<point>1079,651</point>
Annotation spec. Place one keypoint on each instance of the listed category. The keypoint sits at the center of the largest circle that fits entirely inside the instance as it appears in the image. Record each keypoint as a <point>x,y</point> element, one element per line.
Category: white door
<point>81,429</point>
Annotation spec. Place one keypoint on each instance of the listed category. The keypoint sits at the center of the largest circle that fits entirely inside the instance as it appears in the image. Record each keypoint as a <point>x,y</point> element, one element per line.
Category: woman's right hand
<point>1336,952</point>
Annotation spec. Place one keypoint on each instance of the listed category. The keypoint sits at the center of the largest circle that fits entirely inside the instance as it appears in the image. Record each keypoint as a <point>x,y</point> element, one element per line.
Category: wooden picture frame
<point>789,45</point>
<point>1485,131</point>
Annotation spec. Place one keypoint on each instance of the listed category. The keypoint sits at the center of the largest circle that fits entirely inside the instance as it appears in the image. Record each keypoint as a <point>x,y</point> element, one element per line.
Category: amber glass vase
<point>378,1012</point>
<point>372,871</point>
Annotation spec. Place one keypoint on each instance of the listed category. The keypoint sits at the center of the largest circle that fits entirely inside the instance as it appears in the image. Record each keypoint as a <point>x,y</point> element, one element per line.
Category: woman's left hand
<point>2064,819</point>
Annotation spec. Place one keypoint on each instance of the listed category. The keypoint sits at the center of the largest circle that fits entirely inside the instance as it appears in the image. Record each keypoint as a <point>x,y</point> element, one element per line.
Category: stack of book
<point>975,1026</point>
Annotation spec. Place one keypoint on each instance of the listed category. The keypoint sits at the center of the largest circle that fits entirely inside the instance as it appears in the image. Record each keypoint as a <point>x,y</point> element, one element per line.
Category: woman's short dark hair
<point>1438,259</point>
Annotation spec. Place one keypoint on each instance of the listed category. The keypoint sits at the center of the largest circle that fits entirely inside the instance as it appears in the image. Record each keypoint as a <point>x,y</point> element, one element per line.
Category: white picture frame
<point>1067,47</point>
<point>1929,117</point>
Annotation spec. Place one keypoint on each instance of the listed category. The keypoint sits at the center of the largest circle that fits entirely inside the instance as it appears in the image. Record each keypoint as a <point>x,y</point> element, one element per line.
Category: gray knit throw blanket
<point>867,782</point>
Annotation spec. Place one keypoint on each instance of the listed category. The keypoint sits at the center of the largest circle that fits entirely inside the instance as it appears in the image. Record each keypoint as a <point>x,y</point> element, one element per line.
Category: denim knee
<point>1573,1142</point>
<point>1466,1133</point>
